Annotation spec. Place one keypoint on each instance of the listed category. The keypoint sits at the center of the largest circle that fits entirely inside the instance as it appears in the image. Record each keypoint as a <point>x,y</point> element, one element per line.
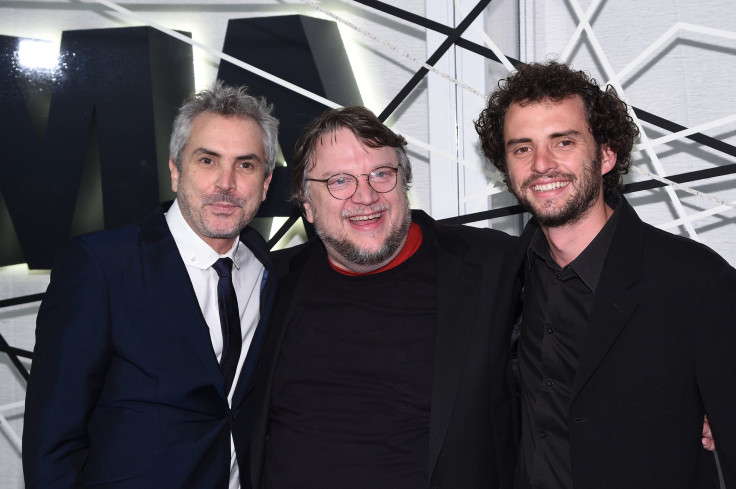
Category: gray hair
<point>230,102</point>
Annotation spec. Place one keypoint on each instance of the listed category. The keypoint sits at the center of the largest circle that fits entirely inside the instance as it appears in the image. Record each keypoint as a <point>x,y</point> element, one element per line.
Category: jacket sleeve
<point>716,366</point>
<point>70,359</point>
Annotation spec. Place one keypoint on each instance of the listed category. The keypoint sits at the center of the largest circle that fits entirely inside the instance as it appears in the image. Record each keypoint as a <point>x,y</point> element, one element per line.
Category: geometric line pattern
<point>14,438</point>
<point>454,38</point>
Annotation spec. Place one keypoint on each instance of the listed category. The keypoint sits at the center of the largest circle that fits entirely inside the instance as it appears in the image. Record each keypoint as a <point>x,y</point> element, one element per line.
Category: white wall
<point>16,326</point>
<point>688,80</point>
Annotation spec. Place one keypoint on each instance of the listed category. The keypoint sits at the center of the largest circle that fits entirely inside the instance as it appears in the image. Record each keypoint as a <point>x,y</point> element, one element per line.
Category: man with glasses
<point>385,365</point>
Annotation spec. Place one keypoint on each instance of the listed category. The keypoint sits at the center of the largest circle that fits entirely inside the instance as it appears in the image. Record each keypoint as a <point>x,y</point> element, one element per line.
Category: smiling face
<point>366,231</point>
<point>222,181</point>
<point>555,167</point>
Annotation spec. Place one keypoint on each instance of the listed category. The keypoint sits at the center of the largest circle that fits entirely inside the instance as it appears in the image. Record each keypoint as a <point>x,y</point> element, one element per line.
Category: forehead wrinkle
<point>205,151</point>
<point>249,157</point>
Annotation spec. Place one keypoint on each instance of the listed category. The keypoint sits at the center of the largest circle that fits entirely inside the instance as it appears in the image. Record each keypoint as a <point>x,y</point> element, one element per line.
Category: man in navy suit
<point>149,336</point>
<point>626,337</point>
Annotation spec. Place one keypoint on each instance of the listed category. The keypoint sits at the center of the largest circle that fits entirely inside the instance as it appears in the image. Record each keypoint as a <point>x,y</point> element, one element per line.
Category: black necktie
<point>227,301</point>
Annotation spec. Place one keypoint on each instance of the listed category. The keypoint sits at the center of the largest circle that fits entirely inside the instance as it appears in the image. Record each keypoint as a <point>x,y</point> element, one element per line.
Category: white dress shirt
<point>247,275</point>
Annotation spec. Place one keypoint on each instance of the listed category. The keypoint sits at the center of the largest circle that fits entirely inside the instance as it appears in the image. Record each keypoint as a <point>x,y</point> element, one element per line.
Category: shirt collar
<point>589,264</point>
<point>193,249</point>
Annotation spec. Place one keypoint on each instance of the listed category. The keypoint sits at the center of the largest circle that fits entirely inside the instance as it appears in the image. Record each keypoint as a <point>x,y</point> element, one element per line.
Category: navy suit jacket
<point>660,352</point>
<point>471,432</point>
<point>125,389</point>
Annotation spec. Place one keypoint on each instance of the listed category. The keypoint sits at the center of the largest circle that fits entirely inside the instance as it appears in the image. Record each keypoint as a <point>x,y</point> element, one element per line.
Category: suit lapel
<point>182,308</point>
<point>614,303</point>
<point>287,290</point>
<point>458,284</point>
<point>257,246</point>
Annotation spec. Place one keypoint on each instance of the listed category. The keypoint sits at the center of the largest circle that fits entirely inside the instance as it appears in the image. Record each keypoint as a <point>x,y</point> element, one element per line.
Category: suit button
<point>550,330</point>
<point>550,383</point>
<point>235,414</point>
<point>542,434</point>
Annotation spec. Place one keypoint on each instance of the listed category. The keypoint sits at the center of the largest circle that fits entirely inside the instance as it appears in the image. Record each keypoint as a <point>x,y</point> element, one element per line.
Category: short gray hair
<point>229,102</point>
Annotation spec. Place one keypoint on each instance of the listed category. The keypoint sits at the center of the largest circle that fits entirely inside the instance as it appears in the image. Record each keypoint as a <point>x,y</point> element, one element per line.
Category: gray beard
<point>352,253</point>
<point>186,206</point>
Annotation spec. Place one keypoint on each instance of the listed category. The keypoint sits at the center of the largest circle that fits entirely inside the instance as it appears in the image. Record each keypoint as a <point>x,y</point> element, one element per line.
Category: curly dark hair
<point>366,127</point>
<point>608,118</point>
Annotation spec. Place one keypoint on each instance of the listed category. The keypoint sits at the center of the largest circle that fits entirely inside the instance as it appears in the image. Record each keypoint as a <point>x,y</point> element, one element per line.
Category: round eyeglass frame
<point>357,181</point>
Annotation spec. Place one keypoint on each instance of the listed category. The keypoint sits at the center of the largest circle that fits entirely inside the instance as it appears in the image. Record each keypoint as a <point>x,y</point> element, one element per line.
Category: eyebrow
<point>511,142</point>
<point>386,165</point>
<point>570,132</point>
<point>247,157</point>
<point>554,135</point>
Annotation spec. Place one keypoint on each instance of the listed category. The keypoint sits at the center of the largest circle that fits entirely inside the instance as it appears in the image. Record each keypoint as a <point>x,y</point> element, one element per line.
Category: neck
<point>340,263</point>
<point>568,241</point>
<point>220,245</point>
<point>354,268</point>
<point>412,242</point>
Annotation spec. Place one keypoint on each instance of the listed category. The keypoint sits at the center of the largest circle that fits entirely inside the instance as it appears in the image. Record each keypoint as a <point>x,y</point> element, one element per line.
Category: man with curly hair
<point>625,339</point>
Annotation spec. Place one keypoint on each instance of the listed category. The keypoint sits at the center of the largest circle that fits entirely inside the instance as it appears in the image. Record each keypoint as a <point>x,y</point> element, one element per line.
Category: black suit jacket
<point>471,436</point>
<point>660,351</point>
<point>125,389</point>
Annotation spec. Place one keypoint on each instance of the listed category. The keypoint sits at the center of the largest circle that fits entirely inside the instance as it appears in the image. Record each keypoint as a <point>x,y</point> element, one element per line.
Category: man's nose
<point>544,161</point>
<point>364,194</point>
<point>226,178</point>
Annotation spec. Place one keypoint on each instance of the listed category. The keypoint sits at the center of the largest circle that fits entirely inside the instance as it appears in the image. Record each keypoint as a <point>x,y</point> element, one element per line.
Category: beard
<point>193,212</point>
<point>587,189</point>
<point>353,253</point>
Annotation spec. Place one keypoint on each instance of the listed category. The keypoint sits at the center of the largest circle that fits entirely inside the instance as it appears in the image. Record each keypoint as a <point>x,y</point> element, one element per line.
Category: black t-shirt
<point>353,383</point>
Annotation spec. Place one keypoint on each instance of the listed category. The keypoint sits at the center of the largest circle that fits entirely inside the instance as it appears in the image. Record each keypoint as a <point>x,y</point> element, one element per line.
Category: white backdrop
<point>686,78</point>
<point>673,59</point>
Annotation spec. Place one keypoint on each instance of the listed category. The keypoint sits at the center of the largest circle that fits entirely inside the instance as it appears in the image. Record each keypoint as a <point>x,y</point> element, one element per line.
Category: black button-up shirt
<point>557,303</point>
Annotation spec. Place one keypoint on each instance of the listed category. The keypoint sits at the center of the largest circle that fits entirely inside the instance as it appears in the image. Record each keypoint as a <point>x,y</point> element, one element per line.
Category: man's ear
<point>174,175</point>
<point>266,183</point>
<point>309,212</point>
<point>608,159</point>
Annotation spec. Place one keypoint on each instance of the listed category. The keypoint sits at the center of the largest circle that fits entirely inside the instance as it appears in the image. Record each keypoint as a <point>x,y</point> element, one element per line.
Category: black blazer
<point>471,435</point>
<point>125,389</point>
<point>660,352</point>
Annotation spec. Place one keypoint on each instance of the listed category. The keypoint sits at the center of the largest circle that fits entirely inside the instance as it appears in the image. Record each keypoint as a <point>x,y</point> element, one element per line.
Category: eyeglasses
<point>344,185</point>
